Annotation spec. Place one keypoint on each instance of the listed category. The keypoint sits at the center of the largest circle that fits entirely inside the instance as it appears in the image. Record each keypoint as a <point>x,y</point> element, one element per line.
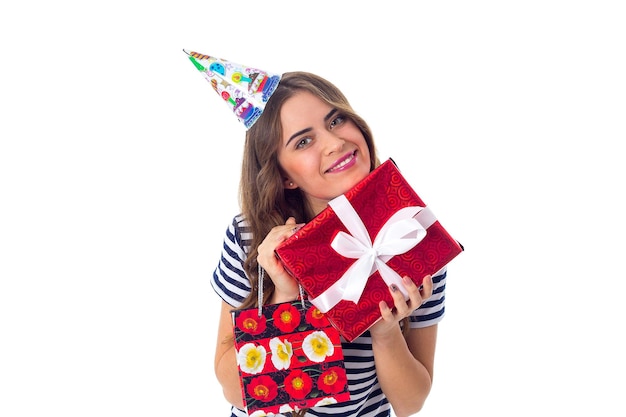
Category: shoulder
<point>238,225</point>
<point>229,279</point>
<point>238,232</point>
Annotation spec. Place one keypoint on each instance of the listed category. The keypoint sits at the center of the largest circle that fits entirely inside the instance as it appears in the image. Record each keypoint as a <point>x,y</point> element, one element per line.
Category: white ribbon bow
<point>399,234</point>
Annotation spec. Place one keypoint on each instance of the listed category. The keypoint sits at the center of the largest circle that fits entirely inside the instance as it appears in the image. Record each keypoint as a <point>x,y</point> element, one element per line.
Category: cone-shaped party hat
<point>244,89</point>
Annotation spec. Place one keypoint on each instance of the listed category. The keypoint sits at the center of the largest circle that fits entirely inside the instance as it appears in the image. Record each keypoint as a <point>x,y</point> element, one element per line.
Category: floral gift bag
<point>289,358</point>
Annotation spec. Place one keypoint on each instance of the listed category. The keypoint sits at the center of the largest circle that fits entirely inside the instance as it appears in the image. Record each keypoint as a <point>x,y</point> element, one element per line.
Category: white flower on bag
<point>251,358</point>
<point>326,401</point>
<point>317,346</point>
<point>261,413</point>
<point>282,352</point>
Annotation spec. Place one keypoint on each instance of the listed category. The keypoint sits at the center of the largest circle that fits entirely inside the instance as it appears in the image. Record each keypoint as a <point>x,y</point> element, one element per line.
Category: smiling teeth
<point>342,163</point>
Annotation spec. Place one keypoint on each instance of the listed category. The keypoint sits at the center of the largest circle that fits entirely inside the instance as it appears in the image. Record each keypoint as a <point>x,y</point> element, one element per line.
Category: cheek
<point>296,162</point>
<point>292,169</point>
<point>285,163</point>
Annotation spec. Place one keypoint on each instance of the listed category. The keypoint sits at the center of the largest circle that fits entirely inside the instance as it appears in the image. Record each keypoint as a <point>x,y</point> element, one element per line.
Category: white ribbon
<point>403,231</point>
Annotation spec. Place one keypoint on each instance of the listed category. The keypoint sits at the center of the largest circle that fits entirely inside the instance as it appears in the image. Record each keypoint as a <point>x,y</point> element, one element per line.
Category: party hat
<point>244,89</point>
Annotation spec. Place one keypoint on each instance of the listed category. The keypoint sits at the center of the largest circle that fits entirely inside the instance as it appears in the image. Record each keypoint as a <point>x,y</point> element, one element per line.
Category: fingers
<point>403,306</point>
<point>293,227</point>
<point>284,232</point>
<point>274,238</point>
<point>427,288</point>
<point>279,234</point>
<point>285,287</point>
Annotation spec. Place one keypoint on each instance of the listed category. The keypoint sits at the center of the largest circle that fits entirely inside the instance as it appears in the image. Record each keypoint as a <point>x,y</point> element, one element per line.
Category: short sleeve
<point>432,311</point>
<point>229,279</point>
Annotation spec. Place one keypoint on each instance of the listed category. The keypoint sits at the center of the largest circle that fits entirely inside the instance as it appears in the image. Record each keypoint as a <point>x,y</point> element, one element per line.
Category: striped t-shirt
<point>366,397</point>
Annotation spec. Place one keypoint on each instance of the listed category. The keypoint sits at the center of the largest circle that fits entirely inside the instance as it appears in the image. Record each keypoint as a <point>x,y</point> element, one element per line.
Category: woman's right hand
<point>286,287</point>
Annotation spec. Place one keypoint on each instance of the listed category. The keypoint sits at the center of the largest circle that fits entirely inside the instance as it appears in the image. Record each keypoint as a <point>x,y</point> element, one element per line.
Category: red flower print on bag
<point>316,318</point>
<point>263,388</point>
<point>298,384</point>
<point>286,318</point>
<point>295,363</point>
<point>250,322</point>
<point>333,380</point>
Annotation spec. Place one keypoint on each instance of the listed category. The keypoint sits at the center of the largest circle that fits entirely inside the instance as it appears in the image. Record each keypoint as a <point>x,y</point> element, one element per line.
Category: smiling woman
<point>307,147</point>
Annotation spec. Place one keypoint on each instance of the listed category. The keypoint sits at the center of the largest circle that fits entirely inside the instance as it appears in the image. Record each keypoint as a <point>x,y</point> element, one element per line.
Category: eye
<point>337,121</point>
<point>301,143</point>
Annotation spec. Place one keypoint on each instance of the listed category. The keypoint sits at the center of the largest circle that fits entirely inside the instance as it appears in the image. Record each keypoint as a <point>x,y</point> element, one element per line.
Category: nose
<point>332,143</point>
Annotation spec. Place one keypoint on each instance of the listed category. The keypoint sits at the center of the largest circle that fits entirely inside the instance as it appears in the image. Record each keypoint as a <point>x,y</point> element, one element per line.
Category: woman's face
<point>321,152</point>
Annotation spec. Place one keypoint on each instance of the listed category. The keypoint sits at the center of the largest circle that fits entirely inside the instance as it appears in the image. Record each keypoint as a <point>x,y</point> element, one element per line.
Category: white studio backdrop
<point>119,169</point>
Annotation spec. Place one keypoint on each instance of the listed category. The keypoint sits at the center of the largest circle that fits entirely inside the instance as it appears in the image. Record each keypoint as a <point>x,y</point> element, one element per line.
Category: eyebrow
<point>308,129</point>
<point>330,114</point>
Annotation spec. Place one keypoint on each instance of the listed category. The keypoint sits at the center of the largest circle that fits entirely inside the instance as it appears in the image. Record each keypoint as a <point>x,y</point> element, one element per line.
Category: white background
<point>119,170</point>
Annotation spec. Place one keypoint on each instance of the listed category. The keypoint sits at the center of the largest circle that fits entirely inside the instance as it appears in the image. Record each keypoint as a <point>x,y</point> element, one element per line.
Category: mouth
<point>343,163</point>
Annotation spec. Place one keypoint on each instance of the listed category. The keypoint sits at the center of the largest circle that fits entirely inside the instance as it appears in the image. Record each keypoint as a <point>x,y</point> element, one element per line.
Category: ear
<point>288,184</point>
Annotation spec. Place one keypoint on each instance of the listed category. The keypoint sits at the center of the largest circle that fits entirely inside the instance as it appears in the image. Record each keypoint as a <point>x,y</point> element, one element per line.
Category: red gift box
<point>365,240</point>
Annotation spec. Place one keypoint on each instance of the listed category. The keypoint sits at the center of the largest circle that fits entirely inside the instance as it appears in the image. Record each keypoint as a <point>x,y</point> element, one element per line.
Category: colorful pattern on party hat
<point>244,89</point>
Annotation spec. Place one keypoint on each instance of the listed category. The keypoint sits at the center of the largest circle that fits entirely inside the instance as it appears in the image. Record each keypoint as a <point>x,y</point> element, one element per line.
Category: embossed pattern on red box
<point>310,259</point>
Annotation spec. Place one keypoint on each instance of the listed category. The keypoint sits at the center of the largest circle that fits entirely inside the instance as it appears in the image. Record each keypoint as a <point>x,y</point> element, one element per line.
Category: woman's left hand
<point>402,308</point>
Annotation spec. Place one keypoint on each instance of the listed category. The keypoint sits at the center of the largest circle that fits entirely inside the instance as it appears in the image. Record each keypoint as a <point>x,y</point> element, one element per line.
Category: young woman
<point>307,148</point>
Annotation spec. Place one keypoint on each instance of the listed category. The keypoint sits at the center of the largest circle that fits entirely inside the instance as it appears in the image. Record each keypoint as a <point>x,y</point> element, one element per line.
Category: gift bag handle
<point>261,272</point>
